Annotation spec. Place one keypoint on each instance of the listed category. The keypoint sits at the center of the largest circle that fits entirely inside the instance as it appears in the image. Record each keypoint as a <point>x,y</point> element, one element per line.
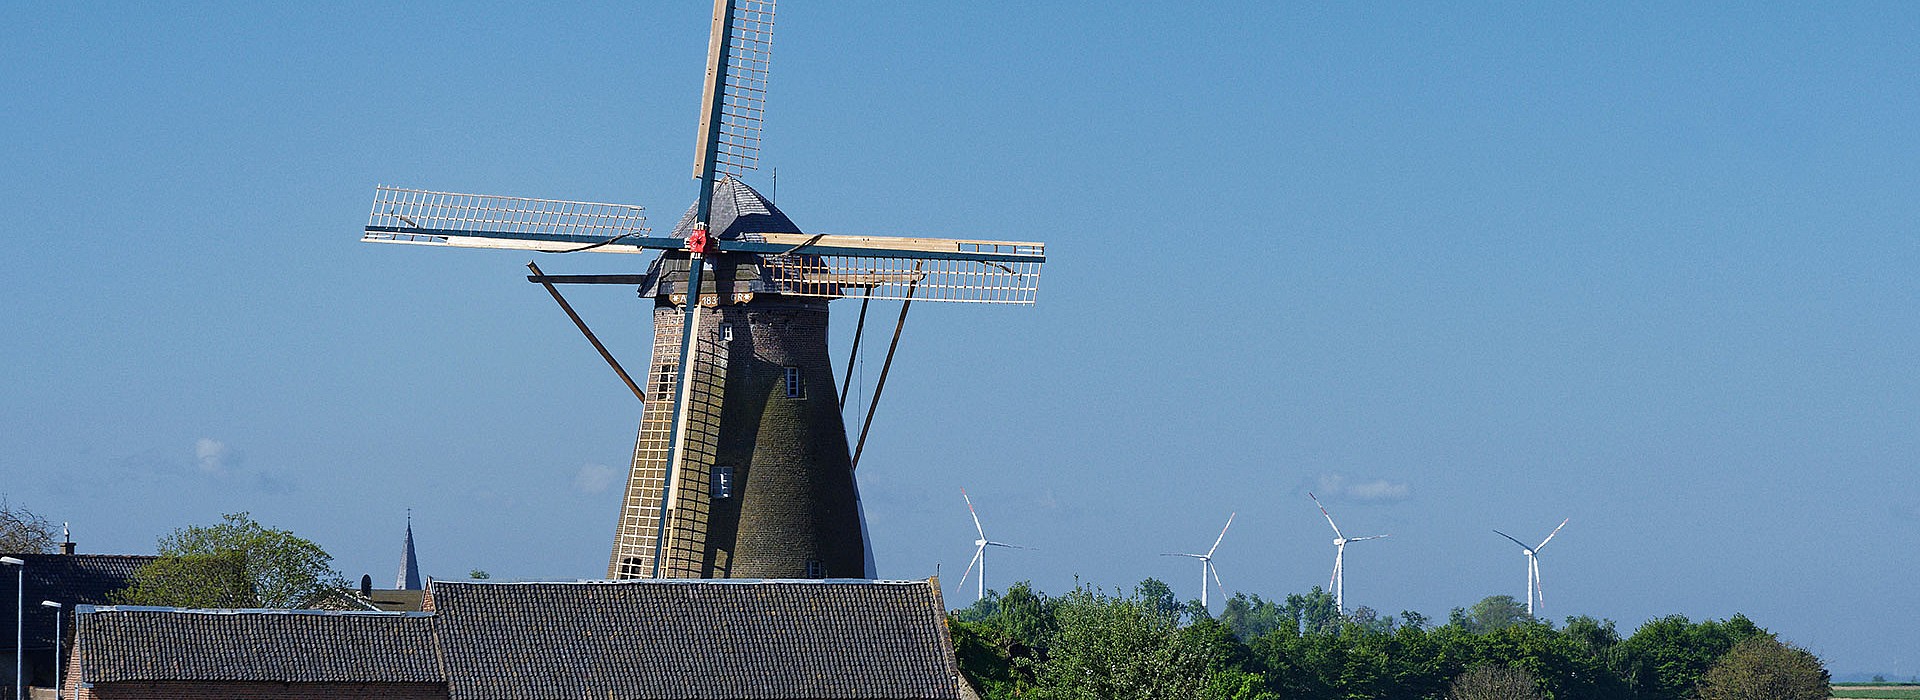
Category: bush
<point>1494,683</point>
<point>1764,668</point>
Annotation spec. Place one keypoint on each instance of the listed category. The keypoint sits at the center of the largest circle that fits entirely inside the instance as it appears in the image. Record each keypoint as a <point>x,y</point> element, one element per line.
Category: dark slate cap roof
<point>742,640</point>
<point>737,209</point>
<point>289,646</point>
<point>67,579</point>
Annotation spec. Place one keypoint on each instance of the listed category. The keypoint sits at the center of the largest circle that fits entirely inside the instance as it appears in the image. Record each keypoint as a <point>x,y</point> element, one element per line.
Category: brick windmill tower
<point>741,467</point>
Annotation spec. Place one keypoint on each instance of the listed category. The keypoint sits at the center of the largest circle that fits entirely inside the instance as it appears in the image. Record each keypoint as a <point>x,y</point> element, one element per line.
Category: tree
<point>479,575</point>
<point>1492,613</point>
<point>237,563</point>
<point>1131,648</point>
<point>1665,658</point>
<point>1764,668</point>
<point>22,531</point>
<point>1492,682</point>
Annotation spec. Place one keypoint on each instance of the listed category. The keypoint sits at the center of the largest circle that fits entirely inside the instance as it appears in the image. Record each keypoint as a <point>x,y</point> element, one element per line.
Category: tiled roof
<point>68,579</point>
<point>741,640</point>
<point>298,646</point>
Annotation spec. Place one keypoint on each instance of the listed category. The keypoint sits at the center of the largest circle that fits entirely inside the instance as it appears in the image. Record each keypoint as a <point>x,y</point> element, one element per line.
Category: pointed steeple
<point>409,566</point>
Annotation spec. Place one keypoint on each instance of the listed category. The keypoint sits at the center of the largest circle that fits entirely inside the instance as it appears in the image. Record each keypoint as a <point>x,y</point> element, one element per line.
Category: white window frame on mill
<point>722,483</point>
<point>796,384</point>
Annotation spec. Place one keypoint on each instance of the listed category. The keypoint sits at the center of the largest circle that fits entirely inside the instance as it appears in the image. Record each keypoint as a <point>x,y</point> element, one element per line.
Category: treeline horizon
<point>1092,643</point>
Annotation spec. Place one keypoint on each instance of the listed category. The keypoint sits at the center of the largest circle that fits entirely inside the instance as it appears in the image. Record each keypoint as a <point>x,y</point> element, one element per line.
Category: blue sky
<point>1453,268</point>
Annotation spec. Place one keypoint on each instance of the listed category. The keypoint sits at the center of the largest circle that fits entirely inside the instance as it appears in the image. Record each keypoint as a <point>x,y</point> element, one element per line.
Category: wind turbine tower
<point>1534,591</point>
<point>1339,581</point>
<point>980,551</point>
<point>1206,563</point>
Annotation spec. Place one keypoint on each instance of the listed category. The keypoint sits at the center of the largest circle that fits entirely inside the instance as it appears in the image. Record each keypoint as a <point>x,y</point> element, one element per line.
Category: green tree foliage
<point>192,581</point>
<point>237,563</point>
<point>1665,658</point>
<point>1091,644</point>
<point>1764,668</point>
<point>1111,647</point>
<point>1491,613</point>
<point>22,531</point>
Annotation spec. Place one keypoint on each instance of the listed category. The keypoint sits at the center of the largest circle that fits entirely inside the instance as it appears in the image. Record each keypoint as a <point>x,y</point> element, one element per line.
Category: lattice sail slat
<point>397,211</point>
<point>743,102</point>
<point>927,279</point>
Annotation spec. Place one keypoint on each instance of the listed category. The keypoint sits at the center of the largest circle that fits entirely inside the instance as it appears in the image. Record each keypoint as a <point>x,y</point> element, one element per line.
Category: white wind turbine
<point>1534,591</point>
<point>980,550</point>
<point>1206,563</point>
<point>1339,581</point>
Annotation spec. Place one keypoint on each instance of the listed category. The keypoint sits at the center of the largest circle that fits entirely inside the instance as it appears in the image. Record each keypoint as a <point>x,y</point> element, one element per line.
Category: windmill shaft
<point>859,328</point>
<point>881,385</point>
<point>582,325</point>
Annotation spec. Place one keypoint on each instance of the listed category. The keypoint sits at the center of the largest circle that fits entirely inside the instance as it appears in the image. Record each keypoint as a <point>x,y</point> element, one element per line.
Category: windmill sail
<point>428,217</point>
<point>738,60</point>
<point>816,265</point>
<point>687,498</point>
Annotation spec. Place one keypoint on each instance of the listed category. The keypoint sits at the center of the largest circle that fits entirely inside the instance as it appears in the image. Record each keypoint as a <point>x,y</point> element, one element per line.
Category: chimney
<point>66,539</point>
<point>366,586</point>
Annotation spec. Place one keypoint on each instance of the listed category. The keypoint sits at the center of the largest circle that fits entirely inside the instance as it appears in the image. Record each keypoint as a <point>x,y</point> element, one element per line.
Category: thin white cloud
<point>594,478</point>
<point>211,455</point>
<point>1377,490</point>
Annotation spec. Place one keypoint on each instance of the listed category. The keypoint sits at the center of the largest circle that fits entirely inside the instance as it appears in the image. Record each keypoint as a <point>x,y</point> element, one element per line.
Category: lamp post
<point>19,625</point>
<point>57,639</point>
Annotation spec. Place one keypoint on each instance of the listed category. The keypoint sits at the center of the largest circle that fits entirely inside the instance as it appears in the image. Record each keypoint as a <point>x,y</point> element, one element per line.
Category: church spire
<point>409,566</point>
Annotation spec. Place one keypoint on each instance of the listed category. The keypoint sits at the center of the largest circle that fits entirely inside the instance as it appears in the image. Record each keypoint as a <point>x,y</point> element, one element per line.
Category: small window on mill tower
<point>796,388</point>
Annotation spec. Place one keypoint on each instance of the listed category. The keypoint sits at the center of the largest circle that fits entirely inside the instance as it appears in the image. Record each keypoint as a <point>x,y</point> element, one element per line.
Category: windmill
<point>980,552</point>
<point>1339,581</point>
<point>1206,563</point>
<point>744,471</point>
<point>1534,591</point>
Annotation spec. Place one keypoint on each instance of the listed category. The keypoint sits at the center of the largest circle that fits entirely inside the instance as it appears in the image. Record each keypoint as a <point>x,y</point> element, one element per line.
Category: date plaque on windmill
<point>785,505</point>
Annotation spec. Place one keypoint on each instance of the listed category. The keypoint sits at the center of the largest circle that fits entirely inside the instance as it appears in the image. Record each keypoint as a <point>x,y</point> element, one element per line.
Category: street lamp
<point>57,638</point>
<point>19,624</point>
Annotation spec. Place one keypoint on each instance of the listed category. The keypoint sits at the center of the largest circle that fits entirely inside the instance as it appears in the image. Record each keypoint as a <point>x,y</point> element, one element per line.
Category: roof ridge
<point>691,581</point>
<point>247,611</point>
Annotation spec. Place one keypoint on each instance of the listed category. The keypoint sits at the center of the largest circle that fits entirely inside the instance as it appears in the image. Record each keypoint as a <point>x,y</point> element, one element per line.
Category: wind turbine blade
<point>1216,579</point>
<point>1323,511</point>
<point>1008,546</point>
<point>977,552</point>
<point>1223,534</point>
<point>1556,531</point>
<point>976,516</point>
<point>1539,589</point>
<point>1369,537</point>
<point>1184,554</point>
<point>1523,545</point>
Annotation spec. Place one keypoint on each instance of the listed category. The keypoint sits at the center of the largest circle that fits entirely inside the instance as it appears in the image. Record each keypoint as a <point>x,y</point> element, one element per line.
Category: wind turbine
<point>1339,581</point>
<point>1534,591</point>
<point>980,550</point>
<point>1206,563</point>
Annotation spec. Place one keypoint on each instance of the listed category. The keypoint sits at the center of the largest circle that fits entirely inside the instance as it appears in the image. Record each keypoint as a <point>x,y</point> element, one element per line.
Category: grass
<point>1881,692</point>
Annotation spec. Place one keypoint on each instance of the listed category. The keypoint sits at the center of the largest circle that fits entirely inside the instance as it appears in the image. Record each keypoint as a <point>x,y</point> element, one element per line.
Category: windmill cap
<point>737,209</point>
